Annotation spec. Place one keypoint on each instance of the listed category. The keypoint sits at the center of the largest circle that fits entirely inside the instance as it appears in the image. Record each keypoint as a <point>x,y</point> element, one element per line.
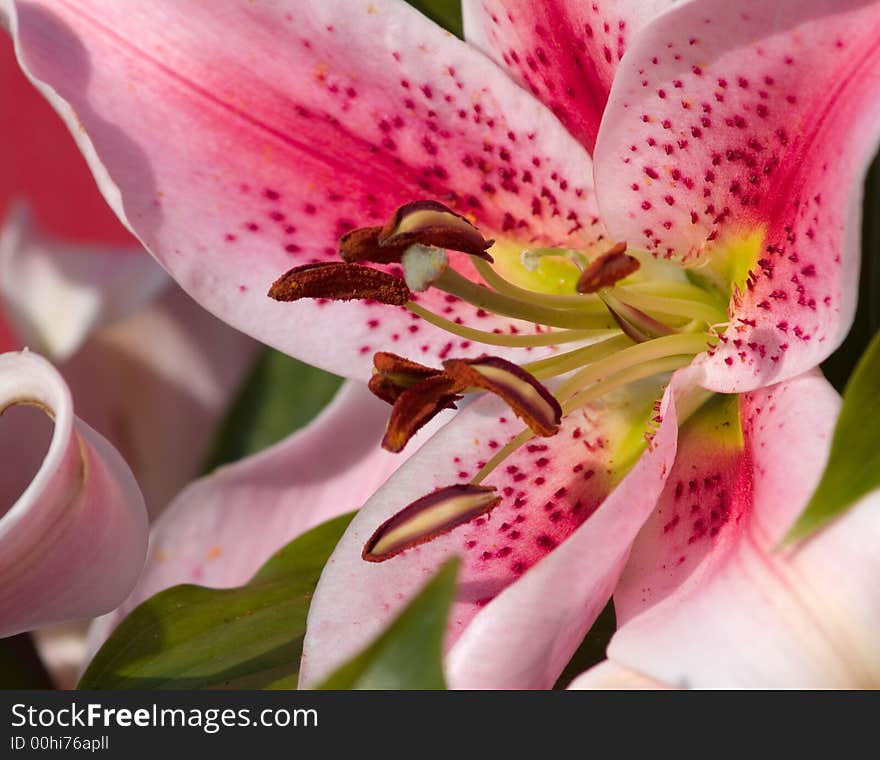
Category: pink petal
<point>42,166</point>
<point>549,488</point>
<point>138,379</point>
<point>759,119</point>
<point>221,529</point>
<point>610,675</point>
<point>295,122</point>
<point>565,52</point>
<point>707,601</point>
<point>524,637</point>
<point>73,542</point>
<point>57,293</point>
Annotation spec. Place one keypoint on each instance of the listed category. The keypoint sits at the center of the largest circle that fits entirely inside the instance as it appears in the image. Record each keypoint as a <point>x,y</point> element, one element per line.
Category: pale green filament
<point>677,307</point>
<point>455,284</point>
<point>586,396</point>
<point>562,363</point>
<point>549,338</point>
<point>689,344</point>
<point>674,298</point>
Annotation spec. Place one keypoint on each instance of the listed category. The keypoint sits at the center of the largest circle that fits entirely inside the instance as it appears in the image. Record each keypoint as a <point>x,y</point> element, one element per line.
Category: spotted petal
<point>296,121</point>
<point>565,52</point>
<point>554,521</point>
<point>73,541</point>
<point>707,600</point>
<point>743,131</point>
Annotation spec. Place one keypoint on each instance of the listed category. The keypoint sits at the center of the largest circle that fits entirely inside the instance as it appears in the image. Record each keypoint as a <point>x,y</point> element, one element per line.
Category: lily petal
<point>552,491</point>
<point>744,130</point>
<point>222,528</point>
<point>715,604</point>
<point>564,51</point>
<point>525,636</point>
<point>171,356</point>
<point>73,543</point>
<point>43,168</point>
<point>57,293</point>
<point>610,675</point>
<point>353,110</point>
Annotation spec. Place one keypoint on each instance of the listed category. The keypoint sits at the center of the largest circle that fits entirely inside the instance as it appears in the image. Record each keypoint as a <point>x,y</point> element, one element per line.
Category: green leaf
<point>854,464</point>
<point>447,13</point>
<point>409,654</point>
<point>190,637</point>
<point>280,395</point>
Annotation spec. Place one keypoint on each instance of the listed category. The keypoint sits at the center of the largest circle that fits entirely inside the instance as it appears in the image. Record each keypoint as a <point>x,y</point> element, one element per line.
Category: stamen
<point>429,517</point>
<point>689,344</point>
<point>422,265</point>
<point>597,390</point>
<point>566,362</point>
<point>635,323</point>
<point>529,310</point>
<point>416,406</point>
<point>394,374</point>
<point>339,281</point>
<point>530,400</point>
<point>607,269</point>
<point>521,340</point>
<point>432,223</point>
<point>362,244</point>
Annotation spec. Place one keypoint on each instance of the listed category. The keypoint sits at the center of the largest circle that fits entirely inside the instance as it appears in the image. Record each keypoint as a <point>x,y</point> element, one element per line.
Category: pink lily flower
<point>727,140</point>
<point>74,537</point>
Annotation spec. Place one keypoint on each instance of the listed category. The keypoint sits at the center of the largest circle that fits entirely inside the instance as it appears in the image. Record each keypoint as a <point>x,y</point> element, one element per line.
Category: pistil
<point>640,328</point>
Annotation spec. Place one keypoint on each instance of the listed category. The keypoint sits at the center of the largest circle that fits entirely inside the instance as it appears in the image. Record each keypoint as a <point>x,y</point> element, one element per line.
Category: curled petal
<point>73,543</point>
<point>362,107</point>
<point>738,136</point>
